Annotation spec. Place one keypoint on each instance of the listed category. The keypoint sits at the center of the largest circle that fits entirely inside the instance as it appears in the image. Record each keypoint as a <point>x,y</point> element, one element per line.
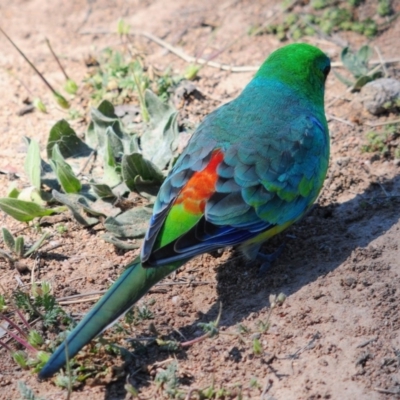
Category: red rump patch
<point>201,186</point>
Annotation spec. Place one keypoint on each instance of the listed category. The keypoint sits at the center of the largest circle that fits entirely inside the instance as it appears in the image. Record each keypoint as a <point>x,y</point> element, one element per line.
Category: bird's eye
<point>326,70</point>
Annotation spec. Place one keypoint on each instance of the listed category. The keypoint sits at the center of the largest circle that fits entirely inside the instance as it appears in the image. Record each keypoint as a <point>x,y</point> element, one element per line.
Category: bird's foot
<point>267,259</point>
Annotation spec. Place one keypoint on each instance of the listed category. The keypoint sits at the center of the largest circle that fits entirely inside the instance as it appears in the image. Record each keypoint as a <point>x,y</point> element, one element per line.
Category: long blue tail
<point>134,282</point>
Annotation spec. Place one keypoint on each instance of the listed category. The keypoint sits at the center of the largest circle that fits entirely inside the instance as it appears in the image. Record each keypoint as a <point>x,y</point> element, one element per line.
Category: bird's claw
<point>268,259</point>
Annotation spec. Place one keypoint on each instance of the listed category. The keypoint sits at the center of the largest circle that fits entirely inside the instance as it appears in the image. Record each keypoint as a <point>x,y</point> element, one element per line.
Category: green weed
<point>385,142</point>
<point>356,62</point>
<point>17,247</point>
<point>119,79</point>
<point>328,17</point>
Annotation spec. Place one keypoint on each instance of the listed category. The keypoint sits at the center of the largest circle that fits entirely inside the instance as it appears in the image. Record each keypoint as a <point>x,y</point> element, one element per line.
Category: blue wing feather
<point>259,178</point>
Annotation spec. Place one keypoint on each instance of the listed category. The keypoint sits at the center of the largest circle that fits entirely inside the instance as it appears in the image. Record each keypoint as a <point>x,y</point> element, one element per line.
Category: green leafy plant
<point>118,78</point>
<point>26,392</point>
<point>41,303</point>
<point>356,62</point>
<point>129,161</point>
<point>26,336</point>
<point>17,248</point>
<point>376,143</point>
<point>384,8</point>
<point>385,142</point>
<point>257,347</point>
<point>328,17</point>
<point>167,379</point>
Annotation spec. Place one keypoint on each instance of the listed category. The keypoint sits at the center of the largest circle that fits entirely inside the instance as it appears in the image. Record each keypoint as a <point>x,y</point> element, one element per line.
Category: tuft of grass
<point>385,142</point>
<point>26,392</point>
<point>41,303</point>
<point>327,17</point>
<point>384,8</point>
<point>32,357</point>
<point>120,79</point>
<point>356,62</point>
<point>17,247</point>
<point>168,381</point>
<point>257,347</point>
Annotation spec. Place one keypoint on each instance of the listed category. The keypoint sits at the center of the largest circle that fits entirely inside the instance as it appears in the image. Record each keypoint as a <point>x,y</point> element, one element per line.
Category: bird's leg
<point>268,259</point>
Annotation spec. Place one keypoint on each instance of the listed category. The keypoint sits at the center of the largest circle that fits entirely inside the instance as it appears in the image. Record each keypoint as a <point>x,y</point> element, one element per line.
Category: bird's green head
<point>300,65</point>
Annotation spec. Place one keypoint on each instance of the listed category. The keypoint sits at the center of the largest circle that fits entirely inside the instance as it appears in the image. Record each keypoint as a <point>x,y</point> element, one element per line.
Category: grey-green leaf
<point>76,203</point>
<point>119,243</point>
<point>134,165</point>
<point>362,81</point>
<point>356,63</point>
<point>342,79</point>
<point>159,141</point>
<point>107,109</point>
<point>36,246</point>
<point>102,191</point>
<point>158,110</point>
<point>111,176</point>
<point>130,224</point>
<point>8,239</point>
<point>69,143</point>
<point>19,246</point>
<point>32,165</point>
<point>23,211</point>
<point>102,118</point>
<point>65,175</point>
<point>115,142</point>
<point>365,54</point>
<point>13,193</point>
<point>147,189</point>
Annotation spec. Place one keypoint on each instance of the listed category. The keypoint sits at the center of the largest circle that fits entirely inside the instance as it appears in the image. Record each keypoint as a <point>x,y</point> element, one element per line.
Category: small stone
<point>376,96</point>
<point>21,267</point>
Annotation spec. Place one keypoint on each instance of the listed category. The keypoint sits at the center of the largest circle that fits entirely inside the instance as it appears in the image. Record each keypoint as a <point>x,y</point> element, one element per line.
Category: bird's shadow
<point>318,244</point>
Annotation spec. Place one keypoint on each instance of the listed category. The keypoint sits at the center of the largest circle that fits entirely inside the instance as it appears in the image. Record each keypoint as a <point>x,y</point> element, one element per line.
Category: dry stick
<point>395,392</point>
<point>28,61</point>
<point>333,101</point>
<point>189,394</point>
<point>344,121</point>
<point>86,162</point>
<point>190,59</point>
<point>225,67</point>
<point>375,124</point>
<point>367,342</point>
<point>3,344</point>
<point>33,273</point>
<point>80,295</point>
<point>381,60</point>
<point>19,281</point>
<point>20,81</point>
<point>206,335</point>
<point>63,303</point>
<point>24,321</point>
<point>21,341</point>
<point>86,17</point>
<point>13,324</point>
<point>195,283</point>
<point>208,61</point>
<point>57,59</point>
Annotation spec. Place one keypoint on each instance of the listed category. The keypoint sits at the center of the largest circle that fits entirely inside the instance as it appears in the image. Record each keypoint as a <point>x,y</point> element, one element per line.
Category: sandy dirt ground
<point>338,334</point>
